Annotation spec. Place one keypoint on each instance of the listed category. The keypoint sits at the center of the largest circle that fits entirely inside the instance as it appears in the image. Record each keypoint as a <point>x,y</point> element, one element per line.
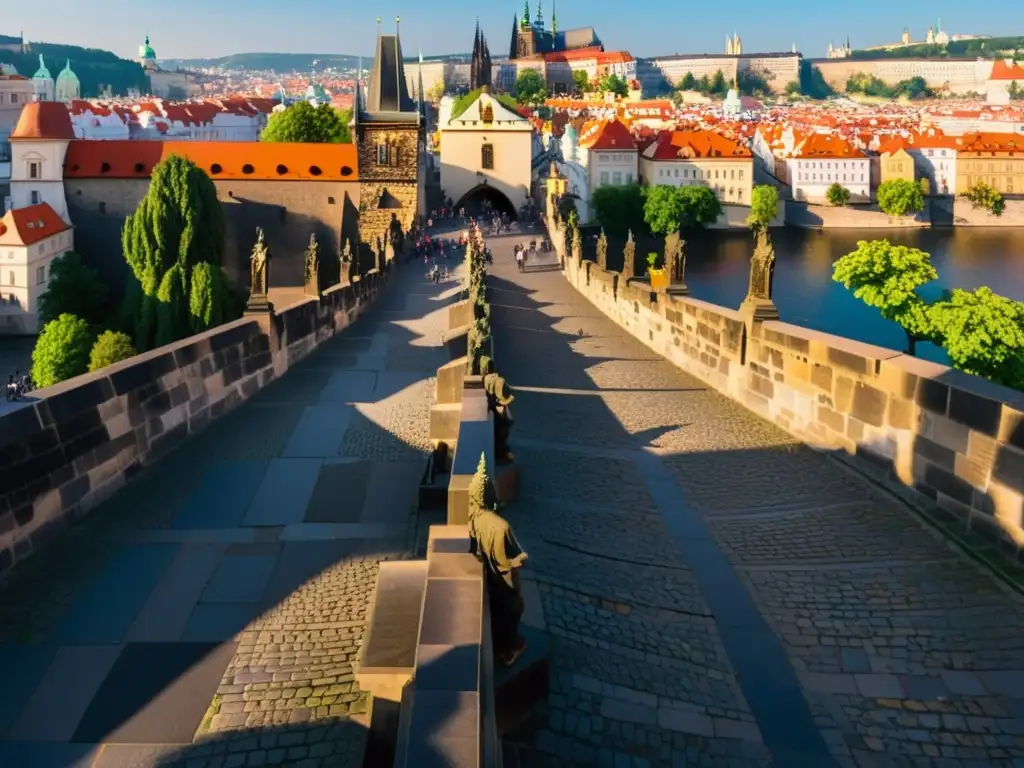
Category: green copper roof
<point>66,73</point>
<point>43,73</point>
<point>146,50</point>
<point>526,13</point>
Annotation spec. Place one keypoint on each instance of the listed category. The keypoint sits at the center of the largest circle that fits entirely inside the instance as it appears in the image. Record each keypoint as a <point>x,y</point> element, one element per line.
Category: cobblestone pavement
<point>209,615</point>
<point>901,652</point>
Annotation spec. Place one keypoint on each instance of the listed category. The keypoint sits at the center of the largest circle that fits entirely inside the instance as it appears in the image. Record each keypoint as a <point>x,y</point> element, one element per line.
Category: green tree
<point>302,123</point>
<point>179,223</point>
<point>581,81</point>
<point>208,297</point>
<point>837,194</point>
<point>531,91</point>
<point>718,86</point>
<point>62,350</point>
<point>704,84</point>
<point>983,195</point>
<point>813,84</point>
<point>671,209</point>
<point>886,277</point>
<point>764,205</point>
<point>111,347</point>
<point>74,289</point>
<point>613,84</point>
<point>983,334</point>
<point>688,83</point>
<point>434,93</point>
<point>900,197</point>
<point>793,88</point>
<point>750,82</point>
<point>618,208</point>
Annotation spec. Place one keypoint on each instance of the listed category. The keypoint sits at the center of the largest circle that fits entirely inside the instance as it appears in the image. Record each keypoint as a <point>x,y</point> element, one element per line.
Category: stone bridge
<point>715,592</point>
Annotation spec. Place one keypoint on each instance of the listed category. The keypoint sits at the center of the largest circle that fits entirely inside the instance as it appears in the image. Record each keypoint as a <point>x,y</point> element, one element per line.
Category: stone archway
<point>476,199</point>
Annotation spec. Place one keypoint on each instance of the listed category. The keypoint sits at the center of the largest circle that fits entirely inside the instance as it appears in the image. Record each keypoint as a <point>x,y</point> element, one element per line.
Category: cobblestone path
<point>718,594</point>
<point>208,615</point>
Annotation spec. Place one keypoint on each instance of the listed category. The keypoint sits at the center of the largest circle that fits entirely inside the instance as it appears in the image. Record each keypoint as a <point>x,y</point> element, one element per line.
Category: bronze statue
<point>762,267</point>
<point>313,265</point>
<point>499,400</point>
<point>258,266</point>
<point>495,545</point>
<point>628,256</point>
<point>675,258</point>
<point>602,250</point>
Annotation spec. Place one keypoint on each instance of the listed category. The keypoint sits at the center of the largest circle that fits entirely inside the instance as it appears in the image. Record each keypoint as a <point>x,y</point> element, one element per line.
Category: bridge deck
<point>718,594</point>
<point>222,595</point>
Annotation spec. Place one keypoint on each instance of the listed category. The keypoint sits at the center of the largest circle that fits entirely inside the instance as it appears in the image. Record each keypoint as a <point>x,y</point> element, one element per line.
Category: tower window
<point>383,154</point>
<point>33,170</point>
<point>35,197</point>
<point>487,156</point>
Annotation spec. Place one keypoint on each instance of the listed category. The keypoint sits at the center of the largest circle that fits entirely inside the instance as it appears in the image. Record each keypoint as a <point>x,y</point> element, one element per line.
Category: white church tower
<point>39,144</point>
<point>42,82</point>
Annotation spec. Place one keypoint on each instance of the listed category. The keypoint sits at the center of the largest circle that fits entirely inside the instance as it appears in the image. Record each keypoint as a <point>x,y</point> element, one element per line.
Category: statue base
<point>313,290</point>
<point>678,289</point>
<point>259,304</point>
<point>759,310</point>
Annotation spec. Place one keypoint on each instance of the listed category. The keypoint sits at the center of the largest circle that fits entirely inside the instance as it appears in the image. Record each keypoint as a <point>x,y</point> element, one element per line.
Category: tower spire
<point>526,13</point>
<point>554,18</point>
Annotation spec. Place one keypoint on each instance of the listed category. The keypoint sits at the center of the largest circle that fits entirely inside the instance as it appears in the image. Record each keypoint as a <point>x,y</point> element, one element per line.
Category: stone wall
<point>955,442</point>
<point>800,214</point>
<point>966,215</point>
<point>400,181</point>
<point>70,446</point>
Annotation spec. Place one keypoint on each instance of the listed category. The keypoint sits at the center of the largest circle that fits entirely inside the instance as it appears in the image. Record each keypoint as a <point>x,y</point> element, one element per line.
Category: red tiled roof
<point>603,135</point>
<point>827,145</point>
<point>1003,71</point>
<point>44,120</point>
<point>25,226</point>
<point>252,160</point>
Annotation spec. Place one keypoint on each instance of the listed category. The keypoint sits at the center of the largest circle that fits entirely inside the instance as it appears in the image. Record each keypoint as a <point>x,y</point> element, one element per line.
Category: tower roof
<point>66,74</point>
<point>42,73</point>
<point>44,121</point>
<point>387,94</point>
<point>146,50</point>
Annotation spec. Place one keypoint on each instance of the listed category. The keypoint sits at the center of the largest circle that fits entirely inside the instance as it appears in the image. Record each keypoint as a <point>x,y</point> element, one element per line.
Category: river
<point>717,271</point>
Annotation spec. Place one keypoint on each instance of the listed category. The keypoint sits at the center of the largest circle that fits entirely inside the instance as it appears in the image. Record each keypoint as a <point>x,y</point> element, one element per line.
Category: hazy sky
<point>207,28</point>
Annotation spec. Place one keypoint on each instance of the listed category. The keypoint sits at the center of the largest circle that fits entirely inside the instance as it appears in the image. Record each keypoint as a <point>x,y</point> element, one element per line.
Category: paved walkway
<point>718,594</point>
<point>209,615</point>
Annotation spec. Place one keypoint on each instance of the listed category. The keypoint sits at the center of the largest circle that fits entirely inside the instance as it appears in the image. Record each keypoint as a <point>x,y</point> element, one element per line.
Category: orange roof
<point>251,160</point>
<point>1003,71</point>
<point>827,145</point>
<point>990,144</point>
<point>44,120</point>
<point>708,144</point>
<point>25,226</point>
<point>606,135</point>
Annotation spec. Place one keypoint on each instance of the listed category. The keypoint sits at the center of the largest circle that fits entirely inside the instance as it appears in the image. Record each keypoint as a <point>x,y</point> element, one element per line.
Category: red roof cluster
<point>25,226</point>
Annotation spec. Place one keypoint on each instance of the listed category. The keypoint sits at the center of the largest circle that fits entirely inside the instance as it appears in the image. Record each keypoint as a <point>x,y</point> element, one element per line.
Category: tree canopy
<point>764,205</point>
<point>74,289</point>
<point>671,209</point>
<point>752,82</point>
<point>531,90</point>
<point>900,197</point>
<point>302,123</point>
<point>613,84</point>
<point>837,194</point>
<point>983,195</point>
<point>887,277</point>
<point>619,209</point>
<point>62,350</point>
<point>111,347</point>
<point>581,81</point>
<point>812,83</point>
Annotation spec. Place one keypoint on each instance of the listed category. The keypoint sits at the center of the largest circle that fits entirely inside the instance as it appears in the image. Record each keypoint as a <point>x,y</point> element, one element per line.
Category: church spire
<point>526,13</point>
<point>539,23</point>
<point>554,18</point>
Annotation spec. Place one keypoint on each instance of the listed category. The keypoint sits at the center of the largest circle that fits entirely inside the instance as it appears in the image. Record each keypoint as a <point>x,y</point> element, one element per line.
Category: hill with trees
<point>986,48</point>
<point>285,62</point>
<point>95,68</point>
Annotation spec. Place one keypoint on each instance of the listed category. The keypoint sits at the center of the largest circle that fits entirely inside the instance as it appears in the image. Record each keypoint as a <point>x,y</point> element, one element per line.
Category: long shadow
<point>223,592</point>
<point>715,591</point>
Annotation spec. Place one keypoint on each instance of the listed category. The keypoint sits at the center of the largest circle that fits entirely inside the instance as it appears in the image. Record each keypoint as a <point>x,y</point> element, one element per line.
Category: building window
<point>383,154</point>
<point>604,177</point>
<point>35,197</point>
<point>741,175</point>
<point>10,278</point>
<point>487,156</point>
<point>40,275</point>
<point>14,98</point>
<point>629,178</point>
<point>617,177</point>
<point>33,170</point>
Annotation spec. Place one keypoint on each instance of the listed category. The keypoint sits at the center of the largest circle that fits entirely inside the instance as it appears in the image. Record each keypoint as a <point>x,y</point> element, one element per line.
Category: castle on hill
<point>531,37</point>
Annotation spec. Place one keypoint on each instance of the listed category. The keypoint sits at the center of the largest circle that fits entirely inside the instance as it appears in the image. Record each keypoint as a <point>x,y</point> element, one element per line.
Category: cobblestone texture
<point>907,653</point>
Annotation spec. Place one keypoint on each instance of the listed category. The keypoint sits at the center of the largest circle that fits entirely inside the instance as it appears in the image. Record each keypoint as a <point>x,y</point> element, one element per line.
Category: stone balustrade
<point>66,448</point>
<point>954,442</point>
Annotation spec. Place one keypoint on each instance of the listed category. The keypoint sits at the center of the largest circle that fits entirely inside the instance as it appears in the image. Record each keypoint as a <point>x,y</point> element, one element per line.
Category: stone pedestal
<point>678,289</point>
<point>258,304</point>
<point>758,310</point>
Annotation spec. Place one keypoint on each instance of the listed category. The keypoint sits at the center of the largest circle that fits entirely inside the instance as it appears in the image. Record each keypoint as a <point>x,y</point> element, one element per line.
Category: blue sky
<point>192,28</point>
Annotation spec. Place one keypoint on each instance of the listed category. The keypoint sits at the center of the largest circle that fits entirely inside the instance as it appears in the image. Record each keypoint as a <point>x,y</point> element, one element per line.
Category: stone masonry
<point>399,180</point>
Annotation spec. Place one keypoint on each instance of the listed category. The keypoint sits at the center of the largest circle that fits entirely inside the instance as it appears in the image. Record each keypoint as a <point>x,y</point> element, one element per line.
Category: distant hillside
<point>94,68</point>
<point>283,63</point>
<point>989,48</point>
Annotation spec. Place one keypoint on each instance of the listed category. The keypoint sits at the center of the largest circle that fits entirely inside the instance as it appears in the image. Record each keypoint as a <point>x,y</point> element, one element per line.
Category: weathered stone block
<point>450,379</point>
<point>869,404</point>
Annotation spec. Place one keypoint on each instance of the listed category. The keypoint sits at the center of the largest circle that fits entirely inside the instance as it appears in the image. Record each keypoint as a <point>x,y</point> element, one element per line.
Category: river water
<point>717,270</point>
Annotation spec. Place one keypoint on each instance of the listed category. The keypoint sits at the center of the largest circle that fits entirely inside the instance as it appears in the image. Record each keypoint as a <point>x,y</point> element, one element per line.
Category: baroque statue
<point>602,250</point>
<point>258,265</point>
<point>628,256</point>
<point>576,246</point>
<point>499,400</point>
<point>762,268</point>
<point>313,265</point>
<point>675,259</point>
<point>494,543</point>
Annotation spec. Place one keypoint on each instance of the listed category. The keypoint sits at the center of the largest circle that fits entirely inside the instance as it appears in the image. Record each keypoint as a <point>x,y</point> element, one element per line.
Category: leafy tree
<point>793,88</point>
<point>812,83</point>
<point>925,185</point>
<point>704,84</point>
<point>688,83</point>
<point>531,90</point>
<point>62,350</point>
<point>581,81</point>
<point>837,194</point>
<point>74,289</point>
<point>750,82</point>
<point>435,92</point>
<point>179,223</point>
<point>619,208</point>
<point>983,334</point>
<point>718,86</point>
<point>670,209</point>
<point>900,197</point>
<point>1014,91</point>
<point>305,124</point>
<point>764,205</point>
<point>985,196</point>
<point>886,277</point>
<point>111,347</point>
<point>208,297</point>
<point>613,84</point>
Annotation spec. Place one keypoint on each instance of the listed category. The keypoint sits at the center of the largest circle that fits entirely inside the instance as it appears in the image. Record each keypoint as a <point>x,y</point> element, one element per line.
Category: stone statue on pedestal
<point>602,250</point>
<point>313,266</point>
<point>675,263</point>
<point>259,275</point>
<point>499,401</point>
<point>495,545</point>
<point>628,256</point>
<point>345,268</point>
<point>762,268</point>
<point>576,247</point>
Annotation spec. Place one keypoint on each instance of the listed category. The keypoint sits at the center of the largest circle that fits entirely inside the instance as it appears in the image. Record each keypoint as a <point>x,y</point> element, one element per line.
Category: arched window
<point>487,156</point>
